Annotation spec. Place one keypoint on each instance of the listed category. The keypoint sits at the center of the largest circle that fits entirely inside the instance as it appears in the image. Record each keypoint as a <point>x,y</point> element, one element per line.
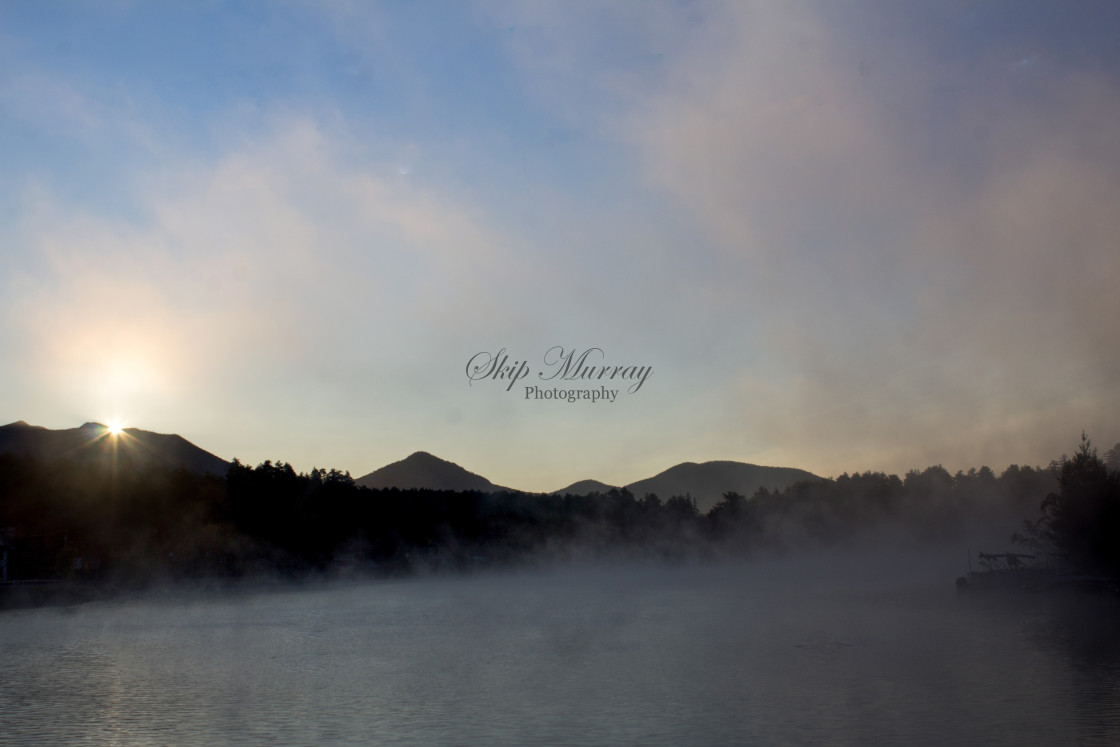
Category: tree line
<point>64,520</point>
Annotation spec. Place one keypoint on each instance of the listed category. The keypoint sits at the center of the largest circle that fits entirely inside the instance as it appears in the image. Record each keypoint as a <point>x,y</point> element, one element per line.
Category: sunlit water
<point>803,652</point>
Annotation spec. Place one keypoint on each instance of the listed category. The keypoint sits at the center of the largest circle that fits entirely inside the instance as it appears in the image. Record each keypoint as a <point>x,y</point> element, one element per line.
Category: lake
<point>820,649</point>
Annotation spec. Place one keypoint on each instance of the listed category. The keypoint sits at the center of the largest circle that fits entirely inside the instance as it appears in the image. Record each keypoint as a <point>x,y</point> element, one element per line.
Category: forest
<point>88,522</point>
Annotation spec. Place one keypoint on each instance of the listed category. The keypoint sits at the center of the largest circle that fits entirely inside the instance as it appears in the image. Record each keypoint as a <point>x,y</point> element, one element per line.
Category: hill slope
<point>584,487</point>
<point>422,470</point>
<point>94,442</point>
<point>707,482</point>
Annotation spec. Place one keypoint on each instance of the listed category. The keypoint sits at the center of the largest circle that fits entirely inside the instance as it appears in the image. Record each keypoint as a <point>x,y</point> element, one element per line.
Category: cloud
<point>53,105</point>
<point>923,250</point>
<point>845,238</point>
<point>278,278</point>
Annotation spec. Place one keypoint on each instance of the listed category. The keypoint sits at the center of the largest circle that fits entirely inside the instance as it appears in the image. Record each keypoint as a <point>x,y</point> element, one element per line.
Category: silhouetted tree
<point>1112,458</point>
<point>682,508</point>
<point>1082,520</point>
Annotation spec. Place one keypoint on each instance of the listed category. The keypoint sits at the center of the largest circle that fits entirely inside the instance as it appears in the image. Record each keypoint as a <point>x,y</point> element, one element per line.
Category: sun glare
<point>115,427</point>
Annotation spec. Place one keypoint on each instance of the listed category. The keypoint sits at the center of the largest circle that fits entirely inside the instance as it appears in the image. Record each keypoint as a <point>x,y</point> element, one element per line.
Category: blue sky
<point>846,236</point>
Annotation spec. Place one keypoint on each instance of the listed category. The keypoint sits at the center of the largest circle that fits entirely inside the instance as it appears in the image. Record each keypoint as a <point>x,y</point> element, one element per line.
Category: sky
<point>839,236</point>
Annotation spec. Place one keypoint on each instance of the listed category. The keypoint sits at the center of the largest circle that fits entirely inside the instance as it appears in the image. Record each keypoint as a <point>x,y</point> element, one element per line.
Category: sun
<point>116,428</point>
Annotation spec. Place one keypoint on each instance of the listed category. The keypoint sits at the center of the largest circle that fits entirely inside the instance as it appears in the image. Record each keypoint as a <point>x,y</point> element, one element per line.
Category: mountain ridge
<point>585,487</point>
<point>423,470</point>
<point>92,442</point>
<point>706,482</point>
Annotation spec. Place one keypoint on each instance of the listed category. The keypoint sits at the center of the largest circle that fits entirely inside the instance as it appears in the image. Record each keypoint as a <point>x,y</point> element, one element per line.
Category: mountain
<point>133,447</point>
<point>422,470</point>
<point>92,442</point>
<point>708,482</point>
<point>705,482</point>
<point>584,487</point>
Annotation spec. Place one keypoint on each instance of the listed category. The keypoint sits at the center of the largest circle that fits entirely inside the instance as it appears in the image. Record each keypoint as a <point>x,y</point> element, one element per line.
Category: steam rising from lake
<point>828,648</point>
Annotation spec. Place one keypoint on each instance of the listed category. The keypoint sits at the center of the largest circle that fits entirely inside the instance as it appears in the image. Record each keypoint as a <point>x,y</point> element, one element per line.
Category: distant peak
<point>423,470</point>
<point>18,424</point>
<point>91,424</point>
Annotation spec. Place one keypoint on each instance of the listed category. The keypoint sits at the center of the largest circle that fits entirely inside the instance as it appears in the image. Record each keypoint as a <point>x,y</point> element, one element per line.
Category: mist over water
<point>852,648</point>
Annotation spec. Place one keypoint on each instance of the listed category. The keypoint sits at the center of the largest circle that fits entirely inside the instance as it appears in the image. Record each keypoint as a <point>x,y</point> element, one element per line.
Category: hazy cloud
<point>923,285</point>
<point>862,236</point>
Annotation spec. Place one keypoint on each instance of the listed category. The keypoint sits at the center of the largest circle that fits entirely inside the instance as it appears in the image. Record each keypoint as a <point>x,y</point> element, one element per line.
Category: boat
<point>1010,571</point>
<point>1007,571</point>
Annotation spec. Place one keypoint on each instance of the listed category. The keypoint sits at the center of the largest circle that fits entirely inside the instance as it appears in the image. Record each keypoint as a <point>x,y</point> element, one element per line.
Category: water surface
<point>817,650</point>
